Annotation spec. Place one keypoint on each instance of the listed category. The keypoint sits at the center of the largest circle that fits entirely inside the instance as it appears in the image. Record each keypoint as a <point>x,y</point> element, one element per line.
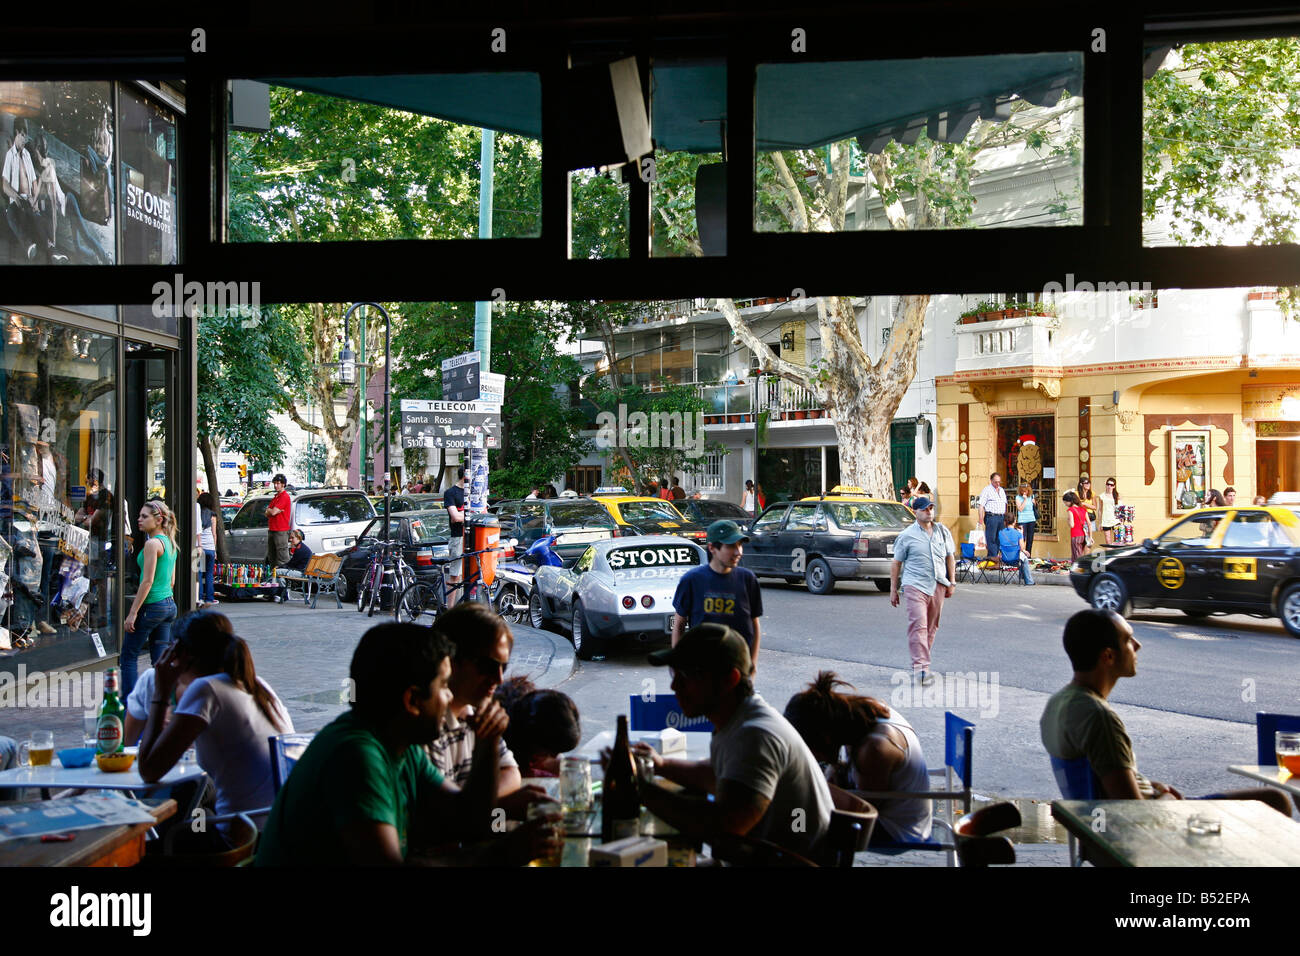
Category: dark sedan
<point>423,534</point>
<point>408,502</point>
<point>1214,561</point>
<point>577,522</point>
<point>707,510</point>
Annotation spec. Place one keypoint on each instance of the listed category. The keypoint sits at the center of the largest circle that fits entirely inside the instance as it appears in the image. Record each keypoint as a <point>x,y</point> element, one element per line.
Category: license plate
<point>668,622</point>
<point>581,537</point>
<point>889,549</point>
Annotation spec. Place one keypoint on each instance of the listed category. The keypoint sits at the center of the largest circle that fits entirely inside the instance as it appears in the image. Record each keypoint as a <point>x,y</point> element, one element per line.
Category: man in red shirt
<point>277,524</point>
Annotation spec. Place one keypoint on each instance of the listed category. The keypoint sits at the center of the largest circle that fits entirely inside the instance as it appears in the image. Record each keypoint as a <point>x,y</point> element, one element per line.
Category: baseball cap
<point>725,532</point>
<point>713,648</point>
<point>921,503</point>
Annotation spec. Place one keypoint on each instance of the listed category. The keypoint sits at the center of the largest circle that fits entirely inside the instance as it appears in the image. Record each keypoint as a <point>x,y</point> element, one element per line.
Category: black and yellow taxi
<point>1230,560</point>
<point>636,514</point>
<point>844,534</point>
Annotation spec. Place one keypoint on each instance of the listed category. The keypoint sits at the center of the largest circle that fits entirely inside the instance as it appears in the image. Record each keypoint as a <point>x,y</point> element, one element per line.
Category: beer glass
<point>575,784</point>
<point>90,728</point>
<point>39,750</point>
<point>1288,751</point>
<point>551,811</point>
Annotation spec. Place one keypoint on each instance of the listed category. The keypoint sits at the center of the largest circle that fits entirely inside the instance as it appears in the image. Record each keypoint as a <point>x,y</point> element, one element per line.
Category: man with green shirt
<point>365,782</point>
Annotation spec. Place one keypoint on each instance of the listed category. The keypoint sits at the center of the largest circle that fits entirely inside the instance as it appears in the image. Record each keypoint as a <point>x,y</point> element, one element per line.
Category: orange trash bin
<point>486,534</point>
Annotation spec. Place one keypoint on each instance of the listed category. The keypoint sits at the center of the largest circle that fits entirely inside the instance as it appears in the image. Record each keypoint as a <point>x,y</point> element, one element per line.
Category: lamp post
<point>348,375</point>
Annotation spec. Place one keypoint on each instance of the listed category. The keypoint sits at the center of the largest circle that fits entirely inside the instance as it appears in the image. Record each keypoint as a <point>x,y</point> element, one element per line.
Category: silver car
<point>617,587</point>
<point>330,520</point>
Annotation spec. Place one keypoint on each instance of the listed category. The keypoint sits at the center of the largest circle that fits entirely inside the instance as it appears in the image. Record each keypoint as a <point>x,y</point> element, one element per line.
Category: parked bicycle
<point>423,602</point>
<point>387,571</point>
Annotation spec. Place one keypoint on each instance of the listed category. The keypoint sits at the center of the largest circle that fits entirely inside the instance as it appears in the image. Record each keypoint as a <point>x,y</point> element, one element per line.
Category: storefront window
<point>148,198</point>
<point>1027,454</point>
<point>58,456</point>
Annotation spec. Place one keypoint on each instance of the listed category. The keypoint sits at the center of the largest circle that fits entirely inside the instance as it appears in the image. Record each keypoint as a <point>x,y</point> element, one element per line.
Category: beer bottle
<point>620,800</point>
<point>110,730</point>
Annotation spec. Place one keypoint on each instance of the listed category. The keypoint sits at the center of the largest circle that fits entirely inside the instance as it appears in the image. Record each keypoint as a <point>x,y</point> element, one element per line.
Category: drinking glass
<point>39,750</point>
<point>1288,751</point>
<point>575,784</point>
<point>551,811</point>
<point>90,728</point>
<point>645,767</point>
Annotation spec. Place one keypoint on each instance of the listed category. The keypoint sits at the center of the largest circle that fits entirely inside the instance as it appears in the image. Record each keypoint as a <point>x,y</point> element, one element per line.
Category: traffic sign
<point>460,377</point>
<point>450,424</point>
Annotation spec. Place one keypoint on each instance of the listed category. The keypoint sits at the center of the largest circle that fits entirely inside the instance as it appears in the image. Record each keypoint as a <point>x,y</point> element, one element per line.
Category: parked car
<point>620,587</point>
<point>423,534</point>
<point>843,534</point>
<point>1213,561</point>
<point>708,510</point>
<point>228,511</point>
<point>408,502</point>
<point>330,520</point>
<point>576,523</point>
<point>636,514</point>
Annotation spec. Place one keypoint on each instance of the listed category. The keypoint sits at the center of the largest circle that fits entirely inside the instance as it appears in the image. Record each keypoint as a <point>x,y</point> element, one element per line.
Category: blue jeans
<point>153,625</point>
<point>1025,576</point>
<point>206,590</point>
<point>992,525</point>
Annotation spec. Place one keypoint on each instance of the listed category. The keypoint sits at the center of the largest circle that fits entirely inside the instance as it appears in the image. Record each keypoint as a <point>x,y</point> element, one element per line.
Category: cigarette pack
<point>630,851</point>
<point>666,741</point>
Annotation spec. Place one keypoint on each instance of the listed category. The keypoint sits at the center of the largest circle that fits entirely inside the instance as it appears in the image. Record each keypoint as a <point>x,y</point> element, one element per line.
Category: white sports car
<point>617,587</point>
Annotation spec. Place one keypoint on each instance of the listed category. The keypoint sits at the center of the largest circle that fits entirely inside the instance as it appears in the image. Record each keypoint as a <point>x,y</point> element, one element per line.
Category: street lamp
<point>348,375</point>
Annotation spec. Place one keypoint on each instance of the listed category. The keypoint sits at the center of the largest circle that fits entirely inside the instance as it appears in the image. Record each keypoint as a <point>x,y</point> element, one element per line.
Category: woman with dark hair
<point>1214,499</point>
<point>883,752</point>
<point>1109,501</point>
<point>227,713</point>
<point>543,725</point>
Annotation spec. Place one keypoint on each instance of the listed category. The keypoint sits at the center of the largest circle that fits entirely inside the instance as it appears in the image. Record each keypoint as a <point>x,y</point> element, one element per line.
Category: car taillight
<point>699,535</point>
<point>647,601</point>
<point>629,602</point>
<point>424,558</point>
<point>861,546</point>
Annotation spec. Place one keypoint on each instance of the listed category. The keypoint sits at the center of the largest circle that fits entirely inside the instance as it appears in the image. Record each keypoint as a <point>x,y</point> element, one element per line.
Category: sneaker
<point>927,679</point>
<point>31,252</point>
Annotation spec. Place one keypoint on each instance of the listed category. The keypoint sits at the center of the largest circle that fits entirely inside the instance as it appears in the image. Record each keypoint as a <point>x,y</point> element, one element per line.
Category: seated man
<point>1011,544</point>
<point>365,780</point>
<point>1079,722</point>
<point>765,780</point>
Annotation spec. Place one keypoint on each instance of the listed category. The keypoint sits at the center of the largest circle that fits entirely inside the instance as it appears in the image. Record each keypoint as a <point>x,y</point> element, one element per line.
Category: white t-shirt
<point>761,750</point>
<point>233,748</point>
<point>137,702</point>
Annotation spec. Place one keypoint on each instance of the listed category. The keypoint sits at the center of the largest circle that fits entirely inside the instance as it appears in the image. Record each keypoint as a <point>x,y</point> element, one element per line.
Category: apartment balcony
<point>1018,348</point>
<point>740,403</point>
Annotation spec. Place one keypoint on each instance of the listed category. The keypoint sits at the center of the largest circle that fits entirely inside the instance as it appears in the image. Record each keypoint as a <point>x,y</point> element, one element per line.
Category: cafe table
<point>1155,832</point>
<point>100,846</point>
<point>57,777</point>
<point>1270,774</point>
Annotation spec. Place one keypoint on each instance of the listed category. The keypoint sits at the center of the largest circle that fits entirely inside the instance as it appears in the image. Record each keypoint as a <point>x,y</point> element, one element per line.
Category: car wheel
<point>819,577</point>
<point>536,614</point>
<point>584,645</point>
<point>344,588</point>
<point>1109,594</point>
<point>881,583</point>
<point>510,598</point>
<point>1289,610</point>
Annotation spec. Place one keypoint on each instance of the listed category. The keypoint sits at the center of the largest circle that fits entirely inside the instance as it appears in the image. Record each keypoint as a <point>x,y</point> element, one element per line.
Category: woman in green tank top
<point>154,608</point>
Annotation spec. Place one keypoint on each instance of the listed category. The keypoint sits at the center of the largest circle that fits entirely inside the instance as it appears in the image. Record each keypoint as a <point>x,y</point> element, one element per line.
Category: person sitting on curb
<point>1079,721</point>
<point>765,780</point>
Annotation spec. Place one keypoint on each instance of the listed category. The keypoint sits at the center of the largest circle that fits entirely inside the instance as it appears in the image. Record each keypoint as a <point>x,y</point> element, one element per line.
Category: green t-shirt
<point>346,775</point>
<point>163,569</point>
<point>1079,722</point>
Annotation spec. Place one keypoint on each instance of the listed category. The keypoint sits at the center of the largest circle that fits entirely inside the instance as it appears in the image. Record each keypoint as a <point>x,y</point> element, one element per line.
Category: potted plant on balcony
<point>969,317</point>
<point>989,311</point>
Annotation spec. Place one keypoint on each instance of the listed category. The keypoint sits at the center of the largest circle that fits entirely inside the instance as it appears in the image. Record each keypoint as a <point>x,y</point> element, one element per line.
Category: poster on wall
<point>1189,468</point>
<point>150,227</point>
<point>58,185</point>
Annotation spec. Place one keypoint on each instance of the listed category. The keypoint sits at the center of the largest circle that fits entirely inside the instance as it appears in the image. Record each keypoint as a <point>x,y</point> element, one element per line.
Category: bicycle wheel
<point>364,589</point>
<point>417,604</point>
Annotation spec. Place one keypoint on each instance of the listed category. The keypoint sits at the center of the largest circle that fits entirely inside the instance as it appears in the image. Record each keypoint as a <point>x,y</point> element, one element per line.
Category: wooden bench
<point>320,576</point>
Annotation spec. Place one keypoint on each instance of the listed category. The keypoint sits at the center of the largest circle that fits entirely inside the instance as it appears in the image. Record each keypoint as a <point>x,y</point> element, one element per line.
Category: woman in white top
<point>747,498</point>
<point>883,753</point>
<point>1108,516</point>
<point>226,713</point>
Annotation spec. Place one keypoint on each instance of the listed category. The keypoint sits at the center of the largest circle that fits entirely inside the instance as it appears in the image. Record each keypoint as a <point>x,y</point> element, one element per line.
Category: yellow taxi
<point>843,534</point>
<point>636,514</point>
<point>1233,560</point>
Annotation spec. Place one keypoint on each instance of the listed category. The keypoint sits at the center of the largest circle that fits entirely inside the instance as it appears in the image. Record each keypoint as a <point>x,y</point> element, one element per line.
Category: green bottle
<point>111,729</point>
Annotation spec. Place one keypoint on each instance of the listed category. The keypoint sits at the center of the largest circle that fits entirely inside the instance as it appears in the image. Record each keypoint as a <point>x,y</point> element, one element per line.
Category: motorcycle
<point>516,578</point>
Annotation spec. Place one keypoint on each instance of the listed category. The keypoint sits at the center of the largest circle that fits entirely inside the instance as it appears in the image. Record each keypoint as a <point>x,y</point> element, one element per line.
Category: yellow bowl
<point>114,763</point>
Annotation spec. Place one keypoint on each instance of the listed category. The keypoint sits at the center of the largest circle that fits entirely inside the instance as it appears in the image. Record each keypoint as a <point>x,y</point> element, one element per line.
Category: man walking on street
<point>277,524</point>
<point>721,591</point>
<point>993,512</point>
<point>453,500</point>
<point>925,556</point>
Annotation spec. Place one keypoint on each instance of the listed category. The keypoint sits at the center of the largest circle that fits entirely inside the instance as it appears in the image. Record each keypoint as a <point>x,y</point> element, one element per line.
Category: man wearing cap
<point>277,524</point>
<point>764,779</point>
<point>925,556</point>
<point>721,591</point>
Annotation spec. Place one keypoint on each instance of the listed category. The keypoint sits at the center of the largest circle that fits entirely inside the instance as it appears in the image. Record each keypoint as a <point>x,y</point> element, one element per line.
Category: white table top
<point>56,777</point>
<point>1271,774</point>
<point>697,745</point>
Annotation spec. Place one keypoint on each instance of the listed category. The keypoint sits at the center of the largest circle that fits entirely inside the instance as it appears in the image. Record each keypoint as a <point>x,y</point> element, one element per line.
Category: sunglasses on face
<point>488,665</point>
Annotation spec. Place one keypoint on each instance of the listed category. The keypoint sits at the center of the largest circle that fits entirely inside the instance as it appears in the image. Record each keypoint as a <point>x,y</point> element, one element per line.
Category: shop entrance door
<point>902,453</point>
<point>148,446</point>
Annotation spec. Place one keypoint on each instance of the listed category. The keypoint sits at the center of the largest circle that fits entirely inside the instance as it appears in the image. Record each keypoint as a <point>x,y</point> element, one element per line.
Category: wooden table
<point>1271,774</point>
<point>101,846</point>
<point>1154,832</point>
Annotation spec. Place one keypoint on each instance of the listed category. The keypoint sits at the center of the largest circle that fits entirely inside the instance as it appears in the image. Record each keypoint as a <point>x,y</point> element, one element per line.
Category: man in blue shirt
<point>924,556</point>
<point>721,591</point>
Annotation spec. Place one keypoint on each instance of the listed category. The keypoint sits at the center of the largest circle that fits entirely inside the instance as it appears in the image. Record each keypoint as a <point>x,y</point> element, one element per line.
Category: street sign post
<point>448,424</point>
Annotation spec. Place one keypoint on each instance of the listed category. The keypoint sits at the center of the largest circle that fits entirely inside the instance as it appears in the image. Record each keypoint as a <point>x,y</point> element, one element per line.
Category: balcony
<point>739,403</point>
<point>1021,348</point>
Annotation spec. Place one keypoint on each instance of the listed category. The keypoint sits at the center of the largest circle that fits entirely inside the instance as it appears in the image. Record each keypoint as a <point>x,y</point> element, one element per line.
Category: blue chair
<point>661,712</point>
<point>958,743</point>
<point>967,566</point>
<point>1077,782</point>
<point>1266,728</point>
<point>286,749</point>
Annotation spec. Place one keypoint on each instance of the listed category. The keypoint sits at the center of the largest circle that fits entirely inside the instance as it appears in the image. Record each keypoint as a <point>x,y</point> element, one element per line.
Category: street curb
<point>1049,579</point>
<point>547,659</point>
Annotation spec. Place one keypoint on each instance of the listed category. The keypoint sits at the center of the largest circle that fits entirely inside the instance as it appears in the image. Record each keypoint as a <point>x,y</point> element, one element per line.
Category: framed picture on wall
<point>1189,468</point>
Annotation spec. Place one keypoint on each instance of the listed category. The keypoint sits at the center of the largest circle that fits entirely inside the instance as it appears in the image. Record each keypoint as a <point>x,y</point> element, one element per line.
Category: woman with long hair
<point>226,713</point>
<point>1109,501</point>
<point>883,752</point>
<point>1214,499</point>
<point>1026,516</point>
<point>154,608</point>
<point>208,542</point>
<point>543,725</point>
<point>1083,491</point>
